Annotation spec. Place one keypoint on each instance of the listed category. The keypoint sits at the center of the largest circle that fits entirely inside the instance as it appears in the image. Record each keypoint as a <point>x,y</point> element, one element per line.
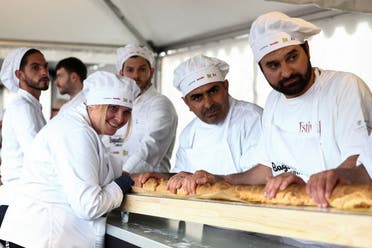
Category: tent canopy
<point>161,24</point>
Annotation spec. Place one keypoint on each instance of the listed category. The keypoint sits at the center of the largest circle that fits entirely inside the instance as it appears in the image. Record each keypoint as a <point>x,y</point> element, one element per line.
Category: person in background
<point>25,72</point>
<point>69,184</point>
<point>315,122</point>
<point>57,106</point>
<point>151,138</point>
<point>223,136</point>
<point>70,74</point>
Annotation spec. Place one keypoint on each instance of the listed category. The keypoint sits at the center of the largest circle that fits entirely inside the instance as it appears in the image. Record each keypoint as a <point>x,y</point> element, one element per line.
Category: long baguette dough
<point>343,196</point>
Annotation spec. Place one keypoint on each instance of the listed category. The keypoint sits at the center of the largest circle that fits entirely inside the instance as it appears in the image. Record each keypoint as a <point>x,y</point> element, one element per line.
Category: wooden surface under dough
<point>352,228</point>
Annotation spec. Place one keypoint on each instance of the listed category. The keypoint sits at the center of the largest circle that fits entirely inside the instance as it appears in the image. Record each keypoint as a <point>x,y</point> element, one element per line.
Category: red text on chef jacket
<point>307,127</point>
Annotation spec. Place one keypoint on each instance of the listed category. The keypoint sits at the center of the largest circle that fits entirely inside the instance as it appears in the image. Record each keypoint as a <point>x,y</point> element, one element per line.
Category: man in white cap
<point>25,72</point>
<point>315,121</point>
<point>151,138</point>
<point>223,136</point>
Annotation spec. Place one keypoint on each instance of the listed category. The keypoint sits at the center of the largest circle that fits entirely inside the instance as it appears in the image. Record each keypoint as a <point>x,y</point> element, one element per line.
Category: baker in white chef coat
<point>150,140</point>
<point>315,121</point>
<point>222,138</point>
<point>70,74</point>
<point>69,183</point>
<point>24,72</point>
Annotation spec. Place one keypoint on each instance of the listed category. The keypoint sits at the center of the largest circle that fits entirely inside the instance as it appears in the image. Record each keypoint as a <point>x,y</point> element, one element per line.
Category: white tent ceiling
<point>346,5</point>
<point>162,24</point>
<point>93,29</point>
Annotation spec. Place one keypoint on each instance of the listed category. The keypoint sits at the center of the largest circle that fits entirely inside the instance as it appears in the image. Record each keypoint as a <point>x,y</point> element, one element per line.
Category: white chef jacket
<point>224,148</point>
<point>23,119</point>
<point>65,189</point>
<point>365,156</point>
<point>151,138</point>
<point>318,130</point>
<point>73,102</point>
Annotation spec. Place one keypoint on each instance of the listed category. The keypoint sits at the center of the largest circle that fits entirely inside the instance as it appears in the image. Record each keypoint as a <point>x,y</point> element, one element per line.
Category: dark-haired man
<point>70,74</point>
<point>315,122</point>
<point>25,72</point>
<point>222,137</point>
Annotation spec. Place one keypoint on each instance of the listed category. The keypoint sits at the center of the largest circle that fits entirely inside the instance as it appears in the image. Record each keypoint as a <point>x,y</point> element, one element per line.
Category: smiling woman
<point>107,119</point>
<point>70,183</point>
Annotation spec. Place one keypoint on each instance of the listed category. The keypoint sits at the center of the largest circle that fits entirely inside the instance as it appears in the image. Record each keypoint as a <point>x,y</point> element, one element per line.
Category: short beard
<point>297,87</point>
<point>34,85</point>
<point>148,84</point>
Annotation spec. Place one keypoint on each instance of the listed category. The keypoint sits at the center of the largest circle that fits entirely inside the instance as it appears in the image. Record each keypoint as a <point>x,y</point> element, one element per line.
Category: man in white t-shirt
<point>222,138</point>
<point>315,121</point>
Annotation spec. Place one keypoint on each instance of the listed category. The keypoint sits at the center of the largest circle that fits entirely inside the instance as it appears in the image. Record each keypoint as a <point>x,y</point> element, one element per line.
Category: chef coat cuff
<point>125,182</point>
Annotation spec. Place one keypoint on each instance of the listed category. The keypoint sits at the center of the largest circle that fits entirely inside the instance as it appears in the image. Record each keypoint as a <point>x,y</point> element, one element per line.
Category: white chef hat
<point>197,71</point>
<point>130,50</point>
<point>275,30</point>
<point>11,63</point>
<point>105,88</point>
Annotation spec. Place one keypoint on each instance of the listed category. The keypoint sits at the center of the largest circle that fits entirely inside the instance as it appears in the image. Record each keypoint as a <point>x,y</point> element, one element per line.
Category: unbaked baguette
<point>343,196</point>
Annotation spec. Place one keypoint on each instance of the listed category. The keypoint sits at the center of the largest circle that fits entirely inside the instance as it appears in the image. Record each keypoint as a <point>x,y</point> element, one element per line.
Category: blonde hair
<point>129,128</point>
<point>103,111</point>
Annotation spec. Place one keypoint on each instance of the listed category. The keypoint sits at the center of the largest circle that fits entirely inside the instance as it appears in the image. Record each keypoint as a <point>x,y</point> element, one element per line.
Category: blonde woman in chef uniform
<point>69,184</point>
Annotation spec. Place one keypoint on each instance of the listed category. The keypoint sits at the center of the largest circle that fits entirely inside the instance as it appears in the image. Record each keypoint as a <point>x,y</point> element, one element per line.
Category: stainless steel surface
<point>149,231</point>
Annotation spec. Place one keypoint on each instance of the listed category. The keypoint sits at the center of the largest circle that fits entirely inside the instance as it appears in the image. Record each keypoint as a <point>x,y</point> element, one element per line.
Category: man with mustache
<point>25,72</point>
<point>315,121</point>
<point>223,136</point>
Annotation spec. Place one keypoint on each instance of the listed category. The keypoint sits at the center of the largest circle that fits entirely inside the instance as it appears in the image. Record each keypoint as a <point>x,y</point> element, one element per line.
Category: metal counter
<point>310,225</point>
<point>154,232</point>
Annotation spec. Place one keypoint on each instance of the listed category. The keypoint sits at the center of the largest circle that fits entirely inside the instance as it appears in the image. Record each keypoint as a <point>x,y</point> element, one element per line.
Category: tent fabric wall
<point>343,44</point>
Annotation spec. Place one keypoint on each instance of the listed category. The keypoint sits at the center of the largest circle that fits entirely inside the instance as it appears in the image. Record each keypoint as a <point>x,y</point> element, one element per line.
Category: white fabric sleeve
<point>251,134</point>
<point>78,162</point>
<point>181,161</point>
<point>354,108</point>
<point>160,133</point>
<point>365,156</point>
<point>26,122</point>
<point>262,156</point>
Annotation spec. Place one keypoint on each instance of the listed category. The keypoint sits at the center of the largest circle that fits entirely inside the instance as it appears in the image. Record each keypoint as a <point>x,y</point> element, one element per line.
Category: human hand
<point>177,181</point>
<point>141,178</point>
<point>321,185</point>
<point>203,177</point>
<point>280,182</point>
